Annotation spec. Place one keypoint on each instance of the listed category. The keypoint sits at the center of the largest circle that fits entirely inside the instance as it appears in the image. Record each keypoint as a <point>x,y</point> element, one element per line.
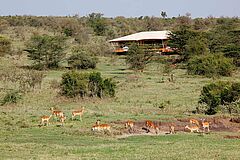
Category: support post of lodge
<point>145,39</point>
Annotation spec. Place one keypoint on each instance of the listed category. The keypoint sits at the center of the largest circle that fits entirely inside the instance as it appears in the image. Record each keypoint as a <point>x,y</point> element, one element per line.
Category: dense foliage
<point>138,57</point>
<point>5,46</point>
<point>83,84</point>
<point>46,51</point>
<point>82,60</point>
<point>219,93</point>
<point>210,65</point>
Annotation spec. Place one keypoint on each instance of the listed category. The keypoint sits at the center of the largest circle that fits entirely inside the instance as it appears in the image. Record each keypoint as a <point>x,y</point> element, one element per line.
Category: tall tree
<point>137,57</point>
<point>98,23</point>
<point>46,51</point>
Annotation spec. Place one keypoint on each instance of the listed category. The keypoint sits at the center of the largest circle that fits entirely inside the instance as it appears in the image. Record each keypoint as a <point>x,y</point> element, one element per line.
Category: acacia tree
<point>46,51</point>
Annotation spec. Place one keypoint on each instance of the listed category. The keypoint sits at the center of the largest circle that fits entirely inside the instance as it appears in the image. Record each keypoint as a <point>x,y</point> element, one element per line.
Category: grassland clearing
<point>140,96</point>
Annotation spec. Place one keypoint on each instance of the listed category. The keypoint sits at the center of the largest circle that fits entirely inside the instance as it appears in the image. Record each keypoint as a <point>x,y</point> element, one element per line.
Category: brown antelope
<point>129,124</point>
<point>205,125</point>
<point>172,130</point>
<point>150,124</point>
<point>194,121</point>
<point>56,113</point>
<point>101,127</point>
<point>193,128</point>
<point>62,119</point>
<point>45,120</point>
<point>97,122</point>
<point>78,113</point>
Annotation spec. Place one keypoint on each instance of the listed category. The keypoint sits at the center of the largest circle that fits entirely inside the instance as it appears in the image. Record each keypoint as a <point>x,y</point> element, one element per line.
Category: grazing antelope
<point>62,119</point>
<point>150,124</point>
<point>205,125</point>
<point>45,119</point>
<point>172,130</point>
<point>78,113</point>
<point>56,113</point>
<point>194,121</point>
<point>129,124</point>
<point>101,127</point>
<point>193,128</point>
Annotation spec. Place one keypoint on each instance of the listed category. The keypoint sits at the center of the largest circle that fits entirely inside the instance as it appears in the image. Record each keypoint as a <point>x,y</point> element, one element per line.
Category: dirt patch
<point>217,124</point>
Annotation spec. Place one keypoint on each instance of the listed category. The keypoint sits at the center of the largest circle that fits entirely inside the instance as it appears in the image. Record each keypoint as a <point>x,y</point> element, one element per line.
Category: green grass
<point>138,97</point>
<point>54,143</point>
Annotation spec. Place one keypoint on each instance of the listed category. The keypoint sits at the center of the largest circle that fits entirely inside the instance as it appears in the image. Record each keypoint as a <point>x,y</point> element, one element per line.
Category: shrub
<point>11,97</point>
<point>100,87</point>
<point>83,84</point>
<point>74,84</point>
<point>82,61</point>
<point>5,46</point>
<point>210,65</point>
<point>137,58</point>
<point>25,80</point>
<point>109,87</point>
<point>95,84</point>
<point>219,93</point>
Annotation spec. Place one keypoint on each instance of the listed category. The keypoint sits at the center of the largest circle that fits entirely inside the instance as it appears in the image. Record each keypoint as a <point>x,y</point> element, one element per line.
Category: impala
<point>45,119</point>
<point>78,113</point>
<point>194,121</point>
<point>172,130</point>
<point>62,119</point>
<point>150,124</point>
<point>205,125</point>
<point>97,122</point>
<point>129,124</point>
<point>101,127</point>
<point>56,113</point>
<point>193,128</point>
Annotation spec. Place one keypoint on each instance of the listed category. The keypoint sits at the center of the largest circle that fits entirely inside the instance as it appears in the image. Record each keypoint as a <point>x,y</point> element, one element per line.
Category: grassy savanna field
<point>138,97</point>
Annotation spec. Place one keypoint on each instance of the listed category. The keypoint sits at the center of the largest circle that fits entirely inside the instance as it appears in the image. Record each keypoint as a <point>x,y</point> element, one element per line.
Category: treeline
<point>119,26</point>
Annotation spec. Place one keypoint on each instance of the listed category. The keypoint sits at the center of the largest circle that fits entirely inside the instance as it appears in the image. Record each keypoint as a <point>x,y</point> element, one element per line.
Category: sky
<point>127,8</point>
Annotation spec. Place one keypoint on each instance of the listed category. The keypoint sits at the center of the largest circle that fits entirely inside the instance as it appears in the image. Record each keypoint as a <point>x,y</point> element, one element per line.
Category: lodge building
<point>154,40</point>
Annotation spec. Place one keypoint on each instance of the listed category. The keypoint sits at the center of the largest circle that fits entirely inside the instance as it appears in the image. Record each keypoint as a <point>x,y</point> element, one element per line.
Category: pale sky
<point>127,8</point>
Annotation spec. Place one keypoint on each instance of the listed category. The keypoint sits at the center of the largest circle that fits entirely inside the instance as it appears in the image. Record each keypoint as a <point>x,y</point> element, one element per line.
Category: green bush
<point>82,61</point>
<point>219,93</point>
<point>100,87</point>
<point>11,97</point>
<point>74,84</point>
<point>83,84</point>
<point>5,46</point>
<point>109,87</point>
<point>210,65</point>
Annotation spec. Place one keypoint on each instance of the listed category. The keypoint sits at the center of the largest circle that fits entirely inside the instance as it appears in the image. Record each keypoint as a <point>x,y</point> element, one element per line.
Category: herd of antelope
<point>130,125</point>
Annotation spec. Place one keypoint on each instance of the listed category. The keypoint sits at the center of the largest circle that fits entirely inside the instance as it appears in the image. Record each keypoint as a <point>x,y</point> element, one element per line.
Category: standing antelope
<point>101,127</point>
<point>56,113</point>
<point>150,124</point>
<point>172,130</point>
<point>194,121</point>
<point>78,113</point>
<point>205,125</point>
<point>129,124</point>
<point>45,119</point>
<point>193,128</point>
<point>62,119</point>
